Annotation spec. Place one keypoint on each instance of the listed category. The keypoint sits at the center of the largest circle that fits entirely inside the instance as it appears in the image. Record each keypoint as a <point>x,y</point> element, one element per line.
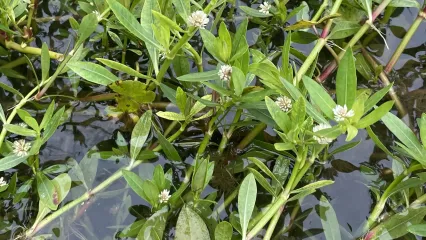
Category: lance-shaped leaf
<point>93,72</point>
<point>246,201</point>
<point>320,97</point>
<point>346,81</point>
<point>140,134</point>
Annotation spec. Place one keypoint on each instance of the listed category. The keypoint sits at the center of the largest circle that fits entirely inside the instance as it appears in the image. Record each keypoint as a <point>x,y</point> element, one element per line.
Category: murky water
<point>88,127</point>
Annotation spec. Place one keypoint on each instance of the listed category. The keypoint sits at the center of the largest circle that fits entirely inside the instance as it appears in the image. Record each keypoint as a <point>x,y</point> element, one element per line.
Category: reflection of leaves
<point>132,94</point>
<point>343,166</point>
<point>329,220</point>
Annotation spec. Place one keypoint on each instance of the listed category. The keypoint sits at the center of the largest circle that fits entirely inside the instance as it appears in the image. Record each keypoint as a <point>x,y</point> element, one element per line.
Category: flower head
<point>341,113</point>
<point>264,7</point>
<point>198,19</point>
<point>284,103</point>
<point>2,182</point>
<point>322,140</point>
<point>21,148</point>
<point>225,72</point>
<point>22,124</point>
<point>98,15</point>
<point>164,196</point>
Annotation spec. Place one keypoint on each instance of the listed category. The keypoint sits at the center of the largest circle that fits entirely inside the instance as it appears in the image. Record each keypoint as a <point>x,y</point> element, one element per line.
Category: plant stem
<point>173,137</point>
<point>251,135</point>
<point>30,13</point>
<point>401,109</point>
<point>14,63</point>
<point>333,65</point>
<point>208,134</point>
<point>404,42</point>
<point>225,203</point>
<point>320,11</point>
<point>290,224</point>
<point>118,174</point>
<point>32,50</point>
<point>272,224</point>
<point>382,201</point>
<point>228,134</point>
<point>197,59</point>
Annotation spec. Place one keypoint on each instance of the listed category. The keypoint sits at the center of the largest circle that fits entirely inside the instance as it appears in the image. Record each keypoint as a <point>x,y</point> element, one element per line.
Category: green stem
<point>32,50</point>
<point>30,13</point>
<point>273,224</point>
<point>173,137</point>
<point>197,59</point>
<point>228,134</point>
<point>404,42</point>
<point>228,200</point>
<point>90,194</point>
<point>290,225</point>
<point>208,134</point>
<point>320,11</point>
<point>382,201</point>
<point>14,63</point>
<point>252,134</point>
<point>310,59</point>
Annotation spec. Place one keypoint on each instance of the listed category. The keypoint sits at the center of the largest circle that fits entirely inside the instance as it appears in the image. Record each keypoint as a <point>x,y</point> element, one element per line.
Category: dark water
<point>88,127</point>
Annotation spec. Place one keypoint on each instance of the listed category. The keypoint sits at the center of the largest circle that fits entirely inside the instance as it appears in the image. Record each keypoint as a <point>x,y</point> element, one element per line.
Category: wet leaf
<point>190,226</point>
<point>246,201</point>
<point>47,115</point>
<point>11,161</point>
<point>154,226</point>
<point>346,81</point>
<point>303,37</point>
<point>168,148</point>
<point>171,116</point>
<point>93,72</point>
<point>280,171</point>
<point>135,182</point>
<point>329,220</point>
<point>223,231</point>
<point>418,229</point>
<point>87,26</point>
<point>132,230</point>
<point>200,76</point>
<point>320,97</point>
<point>22,131</point>
<point>262,181</point>
<point>46,191</point>
<point>343,166</point>
<point>140,134</point>
<point>62,184</point>
<point>344,29</point>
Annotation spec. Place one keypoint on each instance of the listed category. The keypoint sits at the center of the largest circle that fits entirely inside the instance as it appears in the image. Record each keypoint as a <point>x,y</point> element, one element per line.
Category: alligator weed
<point>185,119</point>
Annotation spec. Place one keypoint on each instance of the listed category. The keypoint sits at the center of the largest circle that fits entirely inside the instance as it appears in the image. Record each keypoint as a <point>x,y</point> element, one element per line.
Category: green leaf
<point>404,134</point>
<point>23,190</point>
<point>262,180</point>
<point>263,167</point>
<point>397,225</point>
<point>375,115</point>
<point>346,82</point>
<point>147,20</point>
<point>53,124</point>
<point>20,130</point>
<point>121,67</point>
<point>402,3</point>
<point>88,166</point>
<point>253,12</point>
<point>11,161</point>
<point>210,43</point>
<point>2,116</point>
<point>47,115</point>
<point>87,26</point>
<point>140,134</point>
<point>409,183</point>
<point>190,226</point>
<point>226,42</point>
<point>246,201</point>
<point>154,226</point>
<point>280,117</point>
<point>315,185</point>
<point>344,29</point>
<point>422,126</point>
<point>168,149</point>
<point>199,76</point>
<point>127,19</point>
<point>200,174</point>
<point>167,21</point>
<point>171,116</point>
<point>62,184</point>
<point>183,8</point>
<point>181,99</point>
<point>11,89</point>
<point>223,231</point>
<point>46,190</point>
<point>239,42</point>
<point>352,132</point>
<point>376,97</point>
<point>198,106</point>
<point>280,171</point>
<point>238,80</point>
<point>269,74</point>
<point>329,220</point>
<point>45,62</point>
<point>377,141</point>
<point>135,182</point>
<point>132,230</point>
<point>301,195</point>
<point>93,72</point>
<point>418,229</point>
<point>28,119</point>
<point>344,147</point>
<point>320,97</point>
<point>298,112</point>
<point>115,38</point>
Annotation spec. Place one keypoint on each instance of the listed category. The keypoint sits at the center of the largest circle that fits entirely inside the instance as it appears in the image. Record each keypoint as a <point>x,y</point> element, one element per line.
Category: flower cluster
<point>2,182</point>
<point>164,196</point>
<point>284,103</point>
<point>198,19</point>
<point>225,72</point>
<point>264,7</point>
<point>322,140</point>
<point>342,113</point>
<point>21,148</point>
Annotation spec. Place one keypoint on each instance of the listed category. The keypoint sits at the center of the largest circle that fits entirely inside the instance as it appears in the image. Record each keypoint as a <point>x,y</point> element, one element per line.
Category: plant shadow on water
<point>89,134</point>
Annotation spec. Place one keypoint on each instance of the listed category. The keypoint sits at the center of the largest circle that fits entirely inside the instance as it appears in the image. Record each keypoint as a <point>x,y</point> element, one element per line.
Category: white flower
<point>164,196</point>
<point>264,7</point>
<point>322,140</point>
<point>21,148</point>
<point>98,15</point>
<point>2,182</point>
<point>198,19</point>
<point>284,103</point>
<point>341,113</point>
<point>22,124</point>
<point>225,72</point>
